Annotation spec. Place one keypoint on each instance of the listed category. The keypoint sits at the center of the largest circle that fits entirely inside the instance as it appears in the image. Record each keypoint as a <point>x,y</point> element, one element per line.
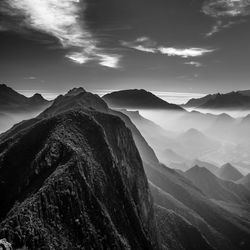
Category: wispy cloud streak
<point>226,13</point>
<point>63,20</point>
<point>193,63</point>
<point>146,44</point>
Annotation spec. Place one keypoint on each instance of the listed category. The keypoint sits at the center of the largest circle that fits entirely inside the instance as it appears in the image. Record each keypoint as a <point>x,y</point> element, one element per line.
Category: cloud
<point>63,20</point>
<point>146,44</point>
<point>226,8</point>
<point>193,63</point>
<point>30,78</point>
<point>226,13</point>
<point>185,53</point>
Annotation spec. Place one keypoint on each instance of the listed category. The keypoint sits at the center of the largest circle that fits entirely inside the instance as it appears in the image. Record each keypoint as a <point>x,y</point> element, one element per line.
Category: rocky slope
<point>76,181</point>
<point>177,233</point>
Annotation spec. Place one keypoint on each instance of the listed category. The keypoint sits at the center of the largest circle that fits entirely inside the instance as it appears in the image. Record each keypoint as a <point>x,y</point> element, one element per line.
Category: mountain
<point>245,181</point>
<point>194,119</point>
<point>223,127</point>
<point>232,100</point>
<point>197,102</point>
<point>216,188</point>
<point>222,228</point>
<point>160,140</point>
<point>72,178</point>
<point>177,233</point>
<point>212,168</point>
<point>228,172</point>
<point>12,101</point>
<point>15,107</point>
<point>43,197</point>
<point>173,156</point>
<point>195,144</point>
<point>245,92</point>
<point>138,99</point>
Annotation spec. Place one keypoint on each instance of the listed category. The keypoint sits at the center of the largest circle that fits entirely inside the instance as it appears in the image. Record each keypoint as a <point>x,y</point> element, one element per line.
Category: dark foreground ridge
<point>74,180</point>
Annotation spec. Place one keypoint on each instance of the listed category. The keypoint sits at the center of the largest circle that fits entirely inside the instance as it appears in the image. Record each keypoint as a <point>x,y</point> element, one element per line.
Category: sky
<point>180,46</point>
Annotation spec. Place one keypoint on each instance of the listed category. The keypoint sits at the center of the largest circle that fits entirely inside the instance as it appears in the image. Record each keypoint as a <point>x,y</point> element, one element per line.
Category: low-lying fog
<point>7,120</point>
<point>213,136</point>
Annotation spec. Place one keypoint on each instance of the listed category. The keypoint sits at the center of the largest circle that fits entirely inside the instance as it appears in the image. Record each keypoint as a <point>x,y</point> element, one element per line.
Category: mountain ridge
<point>138,99</point>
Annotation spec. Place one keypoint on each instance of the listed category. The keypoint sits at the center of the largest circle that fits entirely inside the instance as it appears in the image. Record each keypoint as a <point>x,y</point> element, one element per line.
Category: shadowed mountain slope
<point>229,225</point>
<point>76,182</point>
<point>245,181</point>
<point>212,168</point>
<point>228,172</point>
<point>177,233</point>
<point>216,188</point>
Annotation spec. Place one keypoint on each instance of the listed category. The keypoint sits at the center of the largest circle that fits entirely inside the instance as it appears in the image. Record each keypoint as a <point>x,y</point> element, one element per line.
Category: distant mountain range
<point>15,107</point>
<point>232,100</point>
<point>12,101</point>
<point>80,175</point>
<point>138,99</point>
<point>245,180</point>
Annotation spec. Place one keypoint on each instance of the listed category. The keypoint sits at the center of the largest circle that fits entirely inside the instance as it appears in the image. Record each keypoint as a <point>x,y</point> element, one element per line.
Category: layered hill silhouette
<point>138,99</point>
<point>232,100</point>
<point>12,101</point>
<point>229,172</point>
<point>245,181</point>
<point>195,143</point>
<point>216,188</point>
<point>211,167</point>
<point>15,107</point>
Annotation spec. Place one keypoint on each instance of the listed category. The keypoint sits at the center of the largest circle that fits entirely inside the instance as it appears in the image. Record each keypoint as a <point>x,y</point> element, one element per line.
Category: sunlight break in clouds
<point>145,44</point>
<point>62,19</point>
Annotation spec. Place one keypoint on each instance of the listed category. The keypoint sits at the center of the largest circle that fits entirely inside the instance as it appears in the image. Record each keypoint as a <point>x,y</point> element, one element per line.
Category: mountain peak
<point>37,97</point>
<point>229,172</point>
<point>138,99</point>
<point>198,170</point>
<point>76,91</point>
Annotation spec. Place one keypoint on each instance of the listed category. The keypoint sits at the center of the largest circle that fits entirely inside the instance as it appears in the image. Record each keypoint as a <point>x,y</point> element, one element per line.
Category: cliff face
<point>75,181</point>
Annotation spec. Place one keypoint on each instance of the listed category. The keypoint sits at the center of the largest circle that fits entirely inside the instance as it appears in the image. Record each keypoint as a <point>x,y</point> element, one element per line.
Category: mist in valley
<point>9,119</point>
<point>180,139</point>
